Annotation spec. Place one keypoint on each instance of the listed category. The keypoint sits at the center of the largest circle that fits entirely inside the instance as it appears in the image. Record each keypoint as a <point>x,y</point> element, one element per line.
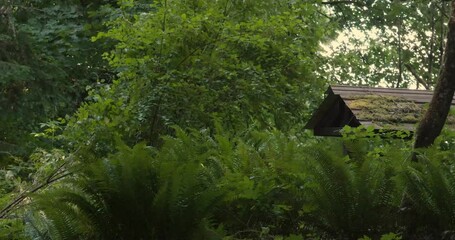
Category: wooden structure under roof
<point>387,109</point>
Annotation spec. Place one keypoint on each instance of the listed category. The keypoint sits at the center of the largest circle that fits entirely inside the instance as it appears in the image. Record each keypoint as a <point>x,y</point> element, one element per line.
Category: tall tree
<point>392,43</point>
<point>47,59</point>
<point>434,119</point>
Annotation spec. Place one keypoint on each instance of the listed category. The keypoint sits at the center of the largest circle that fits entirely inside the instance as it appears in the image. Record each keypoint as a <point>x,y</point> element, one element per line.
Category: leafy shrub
<point>187,63</point>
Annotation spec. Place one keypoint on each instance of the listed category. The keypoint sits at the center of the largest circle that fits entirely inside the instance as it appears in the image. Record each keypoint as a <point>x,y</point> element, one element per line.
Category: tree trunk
<point>431,125</point>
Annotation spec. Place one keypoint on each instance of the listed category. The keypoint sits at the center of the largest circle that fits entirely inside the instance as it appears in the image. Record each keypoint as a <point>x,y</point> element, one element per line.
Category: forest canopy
<point>167,119</point>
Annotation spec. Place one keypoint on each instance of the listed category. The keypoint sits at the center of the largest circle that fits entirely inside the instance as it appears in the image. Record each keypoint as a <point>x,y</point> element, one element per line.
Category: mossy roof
<point>396,109</point>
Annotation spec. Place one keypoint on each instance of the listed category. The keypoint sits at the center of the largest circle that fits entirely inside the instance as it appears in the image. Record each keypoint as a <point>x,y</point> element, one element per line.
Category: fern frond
<point>353,197</point>
<point>430,185</point>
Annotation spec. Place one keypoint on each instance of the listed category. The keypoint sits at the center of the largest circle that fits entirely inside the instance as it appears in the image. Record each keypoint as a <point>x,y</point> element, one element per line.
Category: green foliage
<point>46,60</point>
<point>12,229</point>
<point>259,185</point>
<point>264,187</point>
<point>395,43</point>
<point>353,196</point>
<point>430,185</point>
<point>133,194</point>
<point>220,90</point>
<point>256,185</point>
<point>98,123</point>
<point>389,236</point>
<point>184,63</point>
<point>192,183</point>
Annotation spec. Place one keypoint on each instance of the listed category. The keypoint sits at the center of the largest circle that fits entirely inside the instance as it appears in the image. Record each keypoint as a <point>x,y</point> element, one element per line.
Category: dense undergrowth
<point>192,128</point>
<point>260,185</point>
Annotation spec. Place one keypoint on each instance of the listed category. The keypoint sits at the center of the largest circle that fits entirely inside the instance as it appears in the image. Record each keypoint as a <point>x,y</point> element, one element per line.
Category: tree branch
<point>11,206</point>
<point>54,176</point>
<point>442,11</point>
<point>417,77</point>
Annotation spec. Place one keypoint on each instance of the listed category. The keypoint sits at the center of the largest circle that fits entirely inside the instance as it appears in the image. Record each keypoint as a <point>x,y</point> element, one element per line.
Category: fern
<point>264,186</point>
<point>134,194</point>
<point>430,185</point>
<point>352,197</point>
<point>202,185</point>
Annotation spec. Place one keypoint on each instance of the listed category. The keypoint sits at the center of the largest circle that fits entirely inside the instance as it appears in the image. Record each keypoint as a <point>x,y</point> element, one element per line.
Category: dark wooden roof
<point>382,108</point>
